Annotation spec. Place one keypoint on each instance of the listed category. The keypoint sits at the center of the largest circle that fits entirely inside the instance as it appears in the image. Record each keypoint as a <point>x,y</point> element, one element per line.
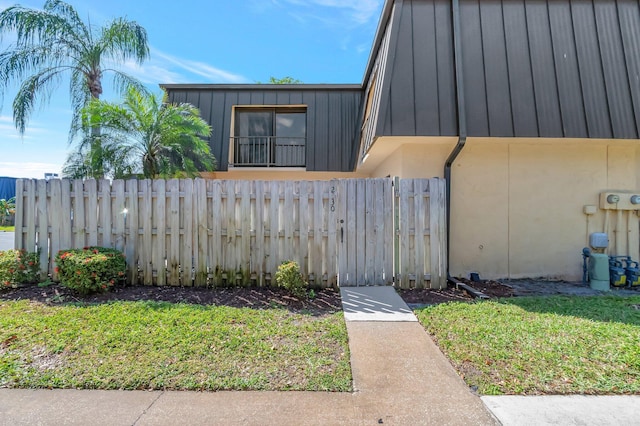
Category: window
<point>270,137</point>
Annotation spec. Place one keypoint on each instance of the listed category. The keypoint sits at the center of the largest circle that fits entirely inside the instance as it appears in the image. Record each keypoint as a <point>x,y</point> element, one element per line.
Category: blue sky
<point>204,41</point>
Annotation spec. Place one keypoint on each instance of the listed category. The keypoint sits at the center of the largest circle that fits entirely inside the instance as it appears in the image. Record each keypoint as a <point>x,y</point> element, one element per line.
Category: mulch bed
<point>493,289</point>
<point>326,301</point>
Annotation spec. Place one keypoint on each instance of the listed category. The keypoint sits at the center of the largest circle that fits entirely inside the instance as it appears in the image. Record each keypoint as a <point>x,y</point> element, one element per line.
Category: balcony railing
<point>268,151</point>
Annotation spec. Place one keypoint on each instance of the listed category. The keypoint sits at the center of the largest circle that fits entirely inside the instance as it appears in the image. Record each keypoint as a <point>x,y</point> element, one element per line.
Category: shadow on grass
<point>621,309</point>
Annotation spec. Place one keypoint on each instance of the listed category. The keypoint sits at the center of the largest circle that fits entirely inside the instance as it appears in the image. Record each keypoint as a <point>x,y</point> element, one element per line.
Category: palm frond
<point>17,63</point>
<point>38,85</point>
<point>123,39</point>
<point>67,11</point>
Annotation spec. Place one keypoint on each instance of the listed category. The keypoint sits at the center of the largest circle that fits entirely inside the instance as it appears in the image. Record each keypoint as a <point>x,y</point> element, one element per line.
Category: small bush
<point>90,270</point>
<point>18,267</point>
<point>289,277</point>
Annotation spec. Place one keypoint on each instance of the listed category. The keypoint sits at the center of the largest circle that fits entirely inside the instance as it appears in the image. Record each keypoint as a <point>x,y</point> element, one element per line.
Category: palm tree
<point>54,42</point>
<point>145,135</point>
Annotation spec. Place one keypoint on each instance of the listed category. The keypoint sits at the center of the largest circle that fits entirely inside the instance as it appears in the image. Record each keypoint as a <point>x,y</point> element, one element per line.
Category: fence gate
<point>391,231</point>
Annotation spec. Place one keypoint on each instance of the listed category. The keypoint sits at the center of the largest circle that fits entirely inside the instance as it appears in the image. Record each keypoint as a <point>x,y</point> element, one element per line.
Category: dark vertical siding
<point>445,77</point>
<point>523,100</point>
<point>496,71</point>
<point>629,15</point>
<point>331,118</point>
<point>543,69</point>
<point>615,75</point>
<point>402,104</point>
<point>531,68</point>
<point>321,117</point>
<point>566,68</point>
<point>419,87</point>
<point>590,70</point>
<point>426,60</point>
<point>473,69</point>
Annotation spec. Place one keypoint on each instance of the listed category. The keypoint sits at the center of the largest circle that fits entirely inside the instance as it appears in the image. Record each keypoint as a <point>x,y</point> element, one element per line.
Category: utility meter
<point>613,199</point>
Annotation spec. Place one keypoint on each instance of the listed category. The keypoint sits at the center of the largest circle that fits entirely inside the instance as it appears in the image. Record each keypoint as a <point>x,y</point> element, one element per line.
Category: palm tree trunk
<point>97,157</point>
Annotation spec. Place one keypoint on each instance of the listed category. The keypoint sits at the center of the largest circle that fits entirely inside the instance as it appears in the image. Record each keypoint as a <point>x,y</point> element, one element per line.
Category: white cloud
<point>165,68</point>
<point>200,68</point>
<point>28,169</point>
<point>357,12</point>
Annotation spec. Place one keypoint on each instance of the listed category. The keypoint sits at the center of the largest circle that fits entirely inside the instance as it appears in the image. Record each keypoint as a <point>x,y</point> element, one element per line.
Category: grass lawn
<point>148,345</point>
<point>7,228</point>
<point>542,345</point>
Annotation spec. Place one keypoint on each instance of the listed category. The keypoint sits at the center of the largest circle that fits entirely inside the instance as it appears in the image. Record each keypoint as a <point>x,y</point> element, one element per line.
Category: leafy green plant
<point>18,266</point>
<point>90,270</point>
<point>145,134</point>
<point>7,209</point>
<point>288,276</point>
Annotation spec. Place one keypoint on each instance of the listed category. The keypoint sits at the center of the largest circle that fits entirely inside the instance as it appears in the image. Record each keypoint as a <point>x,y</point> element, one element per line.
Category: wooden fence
<point>219,232</point>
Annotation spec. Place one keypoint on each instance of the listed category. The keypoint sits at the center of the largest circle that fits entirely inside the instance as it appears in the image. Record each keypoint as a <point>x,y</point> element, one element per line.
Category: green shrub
<point>289,277</point>
<point>90,270</point>
<point>17,267</point>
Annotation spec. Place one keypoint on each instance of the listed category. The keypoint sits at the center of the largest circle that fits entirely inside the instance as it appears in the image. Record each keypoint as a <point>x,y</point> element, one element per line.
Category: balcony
<point>269,151</point>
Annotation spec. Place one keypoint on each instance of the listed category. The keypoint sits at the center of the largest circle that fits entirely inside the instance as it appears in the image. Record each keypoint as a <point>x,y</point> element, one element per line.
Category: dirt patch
<point>326,301</point>
<point>493,289</point>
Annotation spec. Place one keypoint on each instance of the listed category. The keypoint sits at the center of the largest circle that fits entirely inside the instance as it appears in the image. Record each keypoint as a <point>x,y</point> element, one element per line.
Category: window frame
<point>295,108</point>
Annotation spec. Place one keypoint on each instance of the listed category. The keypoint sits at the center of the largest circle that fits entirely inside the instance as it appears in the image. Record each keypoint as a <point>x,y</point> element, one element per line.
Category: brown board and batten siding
<point>332,116</point>
<point>531,68</point>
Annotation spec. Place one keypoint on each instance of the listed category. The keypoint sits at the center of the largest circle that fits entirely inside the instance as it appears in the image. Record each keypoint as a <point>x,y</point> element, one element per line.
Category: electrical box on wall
<point>620,200</point>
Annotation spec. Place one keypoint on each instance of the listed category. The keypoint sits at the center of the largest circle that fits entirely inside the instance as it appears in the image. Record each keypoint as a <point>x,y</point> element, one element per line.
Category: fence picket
<point>117,188</point>
<point>173,232</point>
<point>91,211</point>
<point>30,218</point>
<point>200,232</point>
<point>421,234</point>
<point>303,226</point>
<point>318,220</point>
<point>274,229</point>
<point>186,224</point>
<point>360,232</point>
<point>131,231</point>
<point>244,220</point>
<point>147,216</point>
<point>159,246</point>
<point>258,252</point>
<point>215,239</point>
<point>331,268</point>
<point>46,266</point>
<point>405,189</point>
<point>105,220</point>
<point>350,235</point>
<point>54,203</point>
<point>78,229</point>
<point>22,210</point>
